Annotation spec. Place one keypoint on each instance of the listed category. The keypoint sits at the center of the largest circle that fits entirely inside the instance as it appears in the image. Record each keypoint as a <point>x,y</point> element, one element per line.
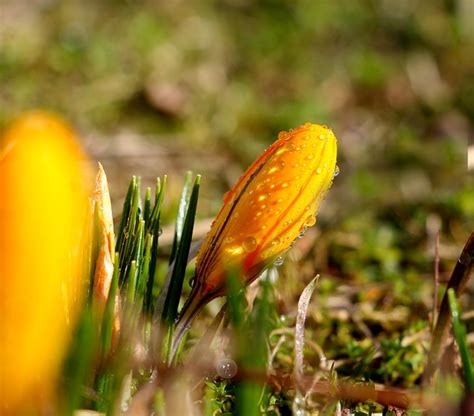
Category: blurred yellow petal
<point>43,202</point>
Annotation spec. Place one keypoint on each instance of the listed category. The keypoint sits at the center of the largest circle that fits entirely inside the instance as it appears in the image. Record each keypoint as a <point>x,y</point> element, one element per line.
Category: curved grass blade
<point>153,227</point>
<point>460,334</point>
<point>182,210</point>
<point>109,314</point>
<point>170,309</point>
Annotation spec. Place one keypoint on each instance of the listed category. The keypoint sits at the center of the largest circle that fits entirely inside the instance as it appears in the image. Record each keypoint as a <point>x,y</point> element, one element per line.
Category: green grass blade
<point>170,309</point>
<point>155,229</point>
<point>125,213</point>
<point>79,362</point>
<point>109,313</point>
<point>134,216</point>
<point>235,299</point>
<point>460,334</point>
<point>144,270</point>
<point>131,282</point>
<point>147,205</point>
<point>182,209</point>
<point>249,393</point>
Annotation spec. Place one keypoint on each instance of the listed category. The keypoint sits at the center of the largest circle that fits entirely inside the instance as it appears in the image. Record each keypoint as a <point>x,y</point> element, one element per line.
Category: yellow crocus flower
<point>43,203</point>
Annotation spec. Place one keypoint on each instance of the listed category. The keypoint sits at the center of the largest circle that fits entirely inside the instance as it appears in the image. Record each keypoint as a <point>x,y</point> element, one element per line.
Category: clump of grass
<point>227,371</point>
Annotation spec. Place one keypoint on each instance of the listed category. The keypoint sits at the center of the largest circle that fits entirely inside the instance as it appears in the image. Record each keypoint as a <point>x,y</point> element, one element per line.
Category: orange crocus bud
<point>104,268</point>
<point>105,258</point>
<point>43,205</point>
<point>270,205</point>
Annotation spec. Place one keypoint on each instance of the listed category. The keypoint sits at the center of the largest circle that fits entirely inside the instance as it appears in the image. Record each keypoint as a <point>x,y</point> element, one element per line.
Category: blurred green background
<point>160,87</point>
<point>163,86</point>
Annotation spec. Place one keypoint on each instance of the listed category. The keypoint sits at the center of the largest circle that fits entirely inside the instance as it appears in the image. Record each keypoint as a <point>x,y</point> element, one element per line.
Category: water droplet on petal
<point>284,185</point>
<point>278,261</point>
<point>322,136</point>
<point>309,157</point>
<point>336,171</point>
<point>249,244</point>
<point>226,368</point>
<point>310,221</point>
<point>228,239</point>
<point>282,134</point>
<point>276,241</point>
<point>318,170</point>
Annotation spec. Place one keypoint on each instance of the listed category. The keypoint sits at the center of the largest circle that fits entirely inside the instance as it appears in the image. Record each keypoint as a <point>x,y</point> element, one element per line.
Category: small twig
<point>461,274</point>
<point>336,390</point>
<point>436,283</point>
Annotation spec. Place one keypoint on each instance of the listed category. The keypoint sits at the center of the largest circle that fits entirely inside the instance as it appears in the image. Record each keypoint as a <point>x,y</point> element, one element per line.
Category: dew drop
<point>249,244</point>
<point>307,125</point>
<point>263,197</point>
<point>290,147</point>
<point>276,241</point>
<point>226,368</point>
<point>318,170</point>
<point>310,221</point>
<point>228,239</point>
<point>192,281</point>
<point>282,134</point>
<point>336,171</point>
<point>284,185</point>
<point>280,151</point>
<point>322,136</point>
<point>278,261</point>
<point>273,169</point>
